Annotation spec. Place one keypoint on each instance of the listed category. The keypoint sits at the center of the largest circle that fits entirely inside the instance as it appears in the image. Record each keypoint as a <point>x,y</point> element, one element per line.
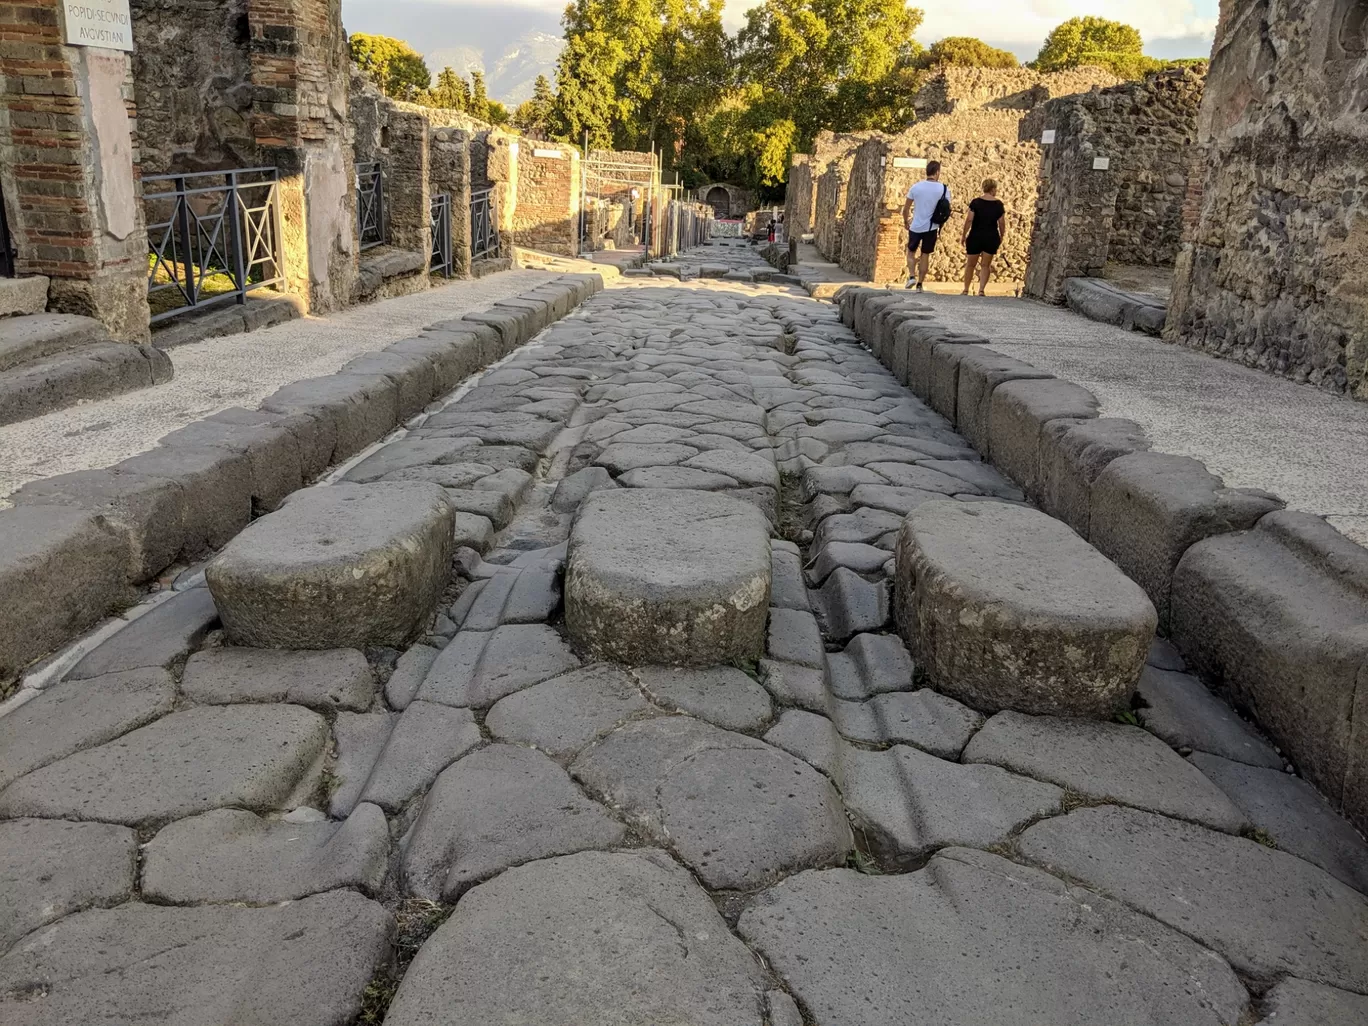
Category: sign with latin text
<point>103,23</point>
<point>917,162</point>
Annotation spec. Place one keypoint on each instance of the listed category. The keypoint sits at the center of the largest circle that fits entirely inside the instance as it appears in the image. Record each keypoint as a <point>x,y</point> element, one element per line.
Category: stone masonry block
<point>413,376</point>
<point>1072,454</point>
<point>1148,508</point>
<point>362,408</point>
<point>979,374</point>
<point>1018,413</point>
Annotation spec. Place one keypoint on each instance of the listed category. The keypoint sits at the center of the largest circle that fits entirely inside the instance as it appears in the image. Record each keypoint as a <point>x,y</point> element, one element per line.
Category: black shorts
<point>974,246</point>
<point>926,241</point>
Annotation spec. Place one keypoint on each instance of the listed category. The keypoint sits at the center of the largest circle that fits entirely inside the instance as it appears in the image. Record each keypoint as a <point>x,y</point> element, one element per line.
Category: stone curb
<point>1270,606</point>
<point>75,547</point>
<point>1102,301</point>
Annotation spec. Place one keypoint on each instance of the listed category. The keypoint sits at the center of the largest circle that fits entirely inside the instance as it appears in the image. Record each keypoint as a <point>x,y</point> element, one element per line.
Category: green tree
<point>450,92</point>
<point>479,98</point>
<point>967,52</point>
<point>534,115</point>
<point>1095,42</point>
<point>395,67</point>
<point>496,113</point>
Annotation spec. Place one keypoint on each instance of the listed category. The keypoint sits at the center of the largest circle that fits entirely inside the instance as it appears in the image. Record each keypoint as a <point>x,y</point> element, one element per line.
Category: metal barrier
<point>372,222</point>
<point>212,238</point>
<point>484,228</point>
<point>439,220</point>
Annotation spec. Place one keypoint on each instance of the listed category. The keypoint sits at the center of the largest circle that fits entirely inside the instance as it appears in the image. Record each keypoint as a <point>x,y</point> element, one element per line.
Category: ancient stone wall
<point>957,89</point>
<point>1274,267</point>
<point>449,173</point>
<point>545,213</point>
<point>1131,211</point>
<point>800,197</point>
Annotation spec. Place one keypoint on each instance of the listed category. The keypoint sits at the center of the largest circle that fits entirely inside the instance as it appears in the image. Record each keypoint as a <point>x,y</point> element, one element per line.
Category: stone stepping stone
<point>668,576</point>
<point>251,756</point>
<point>563,715</point>
<point>1266,912</point>
<point>871,664</point>
<point>1113,762</point>
<point>1180,709</point>
<point>231,855</point>
<point>1295,1002</point>
<point>932,722</point>
<point>594,937</point>
<point>722,695</point>
<point>500,807</point>
<point>480,667</point>
<point>50,868</point>
<point>737,810</point>
<point>337,567</point>
<point>946,945</point>
<point>1294,814</point>
<point>794,637</point>
<point>77,714</point>
<point>338,678</point>
<point>305,962</point>
<point>847,604</point>
<point>1006,607</point>
<point>427,738</point>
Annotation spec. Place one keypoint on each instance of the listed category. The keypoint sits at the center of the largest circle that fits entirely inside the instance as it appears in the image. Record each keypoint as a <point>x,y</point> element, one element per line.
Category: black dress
<point>983,233</point>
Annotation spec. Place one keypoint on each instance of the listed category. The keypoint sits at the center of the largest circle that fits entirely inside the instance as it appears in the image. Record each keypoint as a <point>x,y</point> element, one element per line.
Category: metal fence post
<point>239,263</point>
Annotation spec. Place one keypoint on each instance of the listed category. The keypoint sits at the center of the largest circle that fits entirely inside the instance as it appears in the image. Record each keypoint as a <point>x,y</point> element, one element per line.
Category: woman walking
<point>984,227</point>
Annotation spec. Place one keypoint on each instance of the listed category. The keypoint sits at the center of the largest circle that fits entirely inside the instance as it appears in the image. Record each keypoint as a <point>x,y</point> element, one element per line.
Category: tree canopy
<point>967,52</point>
<point>395,67</point>
<point>1097,42</point>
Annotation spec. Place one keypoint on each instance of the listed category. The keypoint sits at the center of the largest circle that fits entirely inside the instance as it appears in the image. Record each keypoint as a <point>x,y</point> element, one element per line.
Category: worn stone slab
<point>795,684</point>
<point>668,576</point>
<point>428,738</point>
<point>1294,815</point>
<point>1072,455</point>
<point>676,477</point>
<point>358,739</point>
<point>794,637</point>
<point>574,489</point>
<point>268,442</point>
<point>871,664</point>
<point>348,565</point>
<point>409,674</point>
<point>1179,708</point>
<point>216,485</point>
<point>586,938</point>
<point>563,715</point>
<point>621,457</point>
<point>50,868</point>
<point>748,468</point>
<point>337,678</point>
<point>848,604</point>
<point>473,531</point>
<point>412,452</point>
<point>1266,912</point>
<point>250,756</point>
<point>721,695</point>
<point>159,637</point>
<point>306,963</point>
<point>933,722</point>
<point>738,811</point>
<point>479,668</point>
<point>514,595</point>
<point>854,556</point>
<point>787,590</point>
<point>899,501</point>
<point>1110,761</point>
<point>231,855</point>
<point>981,371</point>
<point>500,807</point>
<point>1296,1002</point>
<point>77,714</point>
<point>1005,607</point>
<point>1018,413</point>
<point>945,945</point>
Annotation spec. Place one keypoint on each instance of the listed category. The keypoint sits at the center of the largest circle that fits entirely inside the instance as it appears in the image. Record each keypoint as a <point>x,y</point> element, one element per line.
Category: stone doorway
<point>720,200</point>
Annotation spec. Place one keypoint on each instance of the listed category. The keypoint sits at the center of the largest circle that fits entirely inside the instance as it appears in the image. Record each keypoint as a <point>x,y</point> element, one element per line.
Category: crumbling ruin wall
<point>1129,212</point>
<point>955,89</point>
<point>800,197</point>
<point>1274,267</point>
<point>832,158</point>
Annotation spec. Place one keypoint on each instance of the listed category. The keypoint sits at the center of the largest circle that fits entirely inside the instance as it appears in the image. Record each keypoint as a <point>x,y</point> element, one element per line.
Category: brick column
<point>300,72</point>
<point>69,168</point>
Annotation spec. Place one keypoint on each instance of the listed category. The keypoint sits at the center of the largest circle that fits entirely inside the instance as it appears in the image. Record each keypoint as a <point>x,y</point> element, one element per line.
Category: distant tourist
<point>929,204</point>
<point>984,227</point>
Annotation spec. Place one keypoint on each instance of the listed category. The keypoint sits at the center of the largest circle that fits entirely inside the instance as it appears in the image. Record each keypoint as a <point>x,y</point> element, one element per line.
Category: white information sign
<point>97,23</point>
<point>1101,163</point>
<point>550,154</point>
<point>1047,136</point>
<point>917,162</point>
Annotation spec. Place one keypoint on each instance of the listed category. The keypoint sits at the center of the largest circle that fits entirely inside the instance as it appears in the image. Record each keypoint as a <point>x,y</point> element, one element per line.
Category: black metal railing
<point>439,220</point>
<point>212,237</point>
<point>372,221</point>
<point>6,244</point>
<point>484,227</point>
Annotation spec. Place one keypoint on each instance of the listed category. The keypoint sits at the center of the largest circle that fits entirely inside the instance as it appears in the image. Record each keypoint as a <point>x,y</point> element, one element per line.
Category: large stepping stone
<point>499,807</point>
<point>1110,761</point>
<point>49,868</point>
<point>668,576</point>
<point>77,714</point>
<point>563,715</point>
<point>975,940</point>
<point>250,756</point>
<point>306,963</point>
<point>737,810</point>
<point>595,937</point>
<point>337,678</point>
<point>1266,912</point>
<point>231,855</point>
<point>1006,608</point>
<point>346,566</point>
<point>480,667</point>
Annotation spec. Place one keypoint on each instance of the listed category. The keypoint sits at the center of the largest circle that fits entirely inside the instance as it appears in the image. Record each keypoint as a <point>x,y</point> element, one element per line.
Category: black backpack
<point>942,212</point>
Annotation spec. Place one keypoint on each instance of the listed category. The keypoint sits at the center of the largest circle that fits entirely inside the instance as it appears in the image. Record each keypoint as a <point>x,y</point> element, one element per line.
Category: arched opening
<point>720,200</point>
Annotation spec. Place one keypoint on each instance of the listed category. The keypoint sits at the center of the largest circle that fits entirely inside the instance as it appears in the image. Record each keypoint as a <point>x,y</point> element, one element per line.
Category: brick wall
<point>546,211</point>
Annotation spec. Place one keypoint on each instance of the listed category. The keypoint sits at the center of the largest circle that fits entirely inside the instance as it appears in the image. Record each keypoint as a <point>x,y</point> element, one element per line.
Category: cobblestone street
<point>585,700</point>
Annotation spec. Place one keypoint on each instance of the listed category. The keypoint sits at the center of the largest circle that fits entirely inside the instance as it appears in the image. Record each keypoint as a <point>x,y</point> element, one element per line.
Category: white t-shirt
<point>924,196</point>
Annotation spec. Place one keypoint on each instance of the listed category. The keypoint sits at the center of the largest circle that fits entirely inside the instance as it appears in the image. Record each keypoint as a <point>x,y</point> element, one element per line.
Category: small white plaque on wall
<point>549,154</point>
<point>1047,136</point>
<point>103,23</point>
<point>1101,163</point>
<point>917,162</point>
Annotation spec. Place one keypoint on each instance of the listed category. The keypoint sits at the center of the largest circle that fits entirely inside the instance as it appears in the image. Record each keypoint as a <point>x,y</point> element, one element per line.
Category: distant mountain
<point>510,69</point>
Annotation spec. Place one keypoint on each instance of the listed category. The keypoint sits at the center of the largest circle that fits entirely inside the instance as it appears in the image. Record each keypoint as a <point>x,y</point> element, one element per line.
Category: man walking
<point>929,204</point>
